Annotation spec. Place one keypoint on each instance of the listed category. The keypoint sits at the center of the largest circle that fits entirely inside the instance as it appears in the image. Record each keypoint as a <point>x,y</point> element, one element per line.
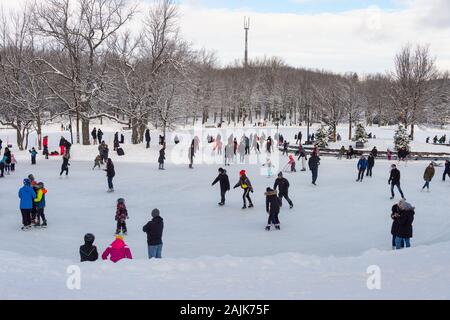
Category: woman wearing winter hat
<point>245,184</point>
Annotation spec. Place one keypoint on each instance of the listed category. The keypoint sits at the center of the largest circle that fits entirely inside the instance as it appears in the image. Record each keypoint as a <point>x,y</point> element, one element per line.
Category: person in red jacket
<point>45,145</point>
<point>117,251</point>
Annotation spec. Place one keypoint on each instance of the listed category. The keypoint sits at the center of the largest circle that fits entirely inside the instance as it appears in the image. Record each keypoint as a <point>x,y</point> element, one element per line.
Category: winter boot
<point>221,204</point>
<point>44,224</point>
<point>268,228</point>
<point>277,227</point>
<point>251,205</point>
<point>244,207</point>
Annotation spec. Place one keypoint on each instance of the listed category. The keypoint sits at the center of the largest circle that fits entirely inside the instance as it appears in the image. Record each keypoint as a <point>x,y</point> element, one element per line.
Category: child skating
<point>39,202</point>
<point>121,217</point>
<point>97,162</point>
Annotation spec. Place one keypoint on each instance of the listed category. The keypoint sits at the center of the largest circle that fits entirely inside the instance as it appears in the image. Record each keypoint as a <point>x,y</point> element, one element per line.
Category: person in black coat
<point>88,252</point>
<point>116,141</point>
<point>374,152</point>
<point>94,135</point>
<point>110,174</point>
<point>447,170</point>
<point>224,184</point>
<point>283,189</point>
<point>313,163</point>
<point>148,138</point>
<point>154,230</point>
<point>99,135</point>
<point>162,157</point>
<point>395,214</point>
<point>65,165</point>
<point>394,181</point>
<point>370,164</point>
<point>273,205</point>
<point>405,228</point>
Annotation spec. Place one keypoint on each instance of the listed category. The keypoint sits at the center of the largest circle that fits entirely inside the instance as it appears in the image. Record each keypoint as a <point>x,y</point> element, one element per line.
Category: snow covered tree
<point>322,137</point>
<point>401,138</point>
<point>360,134</point>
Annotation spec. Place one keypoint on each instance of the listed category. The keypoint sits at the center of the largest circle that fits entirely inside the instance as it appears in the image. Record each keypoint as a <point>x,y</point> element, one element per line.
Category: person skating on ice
<point>27,196</point>
<point>246,186</point>
<point>370,165</point>
<point>110,174</point>
<point>121,217</point>
<point>283,189</point>
<point>313,163</point>
<point>428,176</point>
<point>40,204</point>
<point>362,166</point>
<point>273,205</point>
<point>394,181</point>
<point>446,170</point>
<point>65,165</point>
<point>224,184</point>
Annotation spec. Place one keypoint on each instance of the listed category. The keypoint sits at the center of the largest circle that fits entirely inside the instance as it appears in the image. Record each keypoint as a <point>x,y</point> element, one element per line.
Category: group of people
<point>436,140</point>
<point>32,203</point>
<point>7,162</point>
<point>118,249</point>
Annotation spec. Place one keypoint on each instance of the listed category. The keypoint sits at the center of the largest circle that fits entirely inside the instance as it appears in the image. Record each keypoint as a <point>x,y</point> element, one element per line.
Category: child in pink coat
<point>118,250</point>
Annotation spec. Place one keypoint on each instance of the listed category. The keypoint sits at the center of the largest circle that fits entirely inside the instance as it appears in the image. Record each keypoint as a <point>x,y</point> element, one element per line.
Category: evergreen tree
<point>322,137</point>
<point>360,134</point>
<point>401,138</point>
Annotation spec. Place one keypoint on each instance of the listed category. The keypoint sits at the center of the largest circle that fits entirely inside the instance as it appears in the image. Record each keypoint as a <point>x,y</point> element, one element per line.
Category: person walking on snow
<point>33,153</point>
<point>283,189</point>
<point>447,170</point>
<point>94,136</point>
<point>394,181</point>
<point>291,163</point>
<point>40,203</point>
<point>362,166</point>
<point>273,204</point>
<point>246,186</point>
<point>45,145</point>
<point>88,252</point>
<point>154,230</point>
<point>27,196</point>
<point>99,136</point>
<point>110,174</point>
<point>121,217</point>
<point>117,251</point>
<point>313,163</point>
<point>148,138</point>
<point>428,176</point>
<point>224,184</point>
<point>162,157</point>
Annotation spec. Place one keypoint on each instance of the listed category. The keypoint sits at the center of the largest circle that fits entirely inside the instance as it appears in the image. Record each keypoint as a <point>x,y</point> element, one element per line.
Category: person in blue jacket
<point>33,153</point>
<point>27,196</point>
<point>362,166</point>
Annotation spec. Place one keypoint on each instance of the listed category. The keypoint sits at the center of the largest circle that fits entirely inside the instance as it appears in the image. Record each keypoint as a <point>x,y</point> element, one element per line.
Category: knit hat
<point>221,170</point>
<point>89,237</point>
<point>243,172</point>
<point>119,237</point>
<point>121,200</point>
<point>26,182</point>
<point>280,174</point>
<point>155,213</point>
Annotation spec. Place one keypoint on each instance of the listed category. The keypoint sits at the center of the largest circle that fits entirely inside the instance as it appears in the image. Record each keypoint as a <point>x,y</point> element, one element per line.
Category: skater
<point>117,251</point>
<point>302,155</point>
<point>285,148</point>
<point>45,145</point>
<point>245,184</point>
<point>403,154</point>
<point>99,136</point>
<point>374,152</point>
<point>405,228</point>
<point>228,156</point>
<point>148,138</point>
<point>269,145</point>
<point>370,164</point>
<point>447,170</point>
<point>7,160</point>
<point>247,145</point>
<point>299,137</point>
<point>121,217</point>
<point>291,163</point>
<point>362,166</point>
<point>2,167</point>
<point>102,151</point>
<point>313,163</point>
<point>269,167</point>
<point>65,165</point>
<point>62,146</point>
<point>27,196</point>
<point>97,162</point>
<point>110,174</point>
<point>162,157</point>
<point>39,202</point>
<point>191,154</point>
<point>116,144</point>
<point>235,146</point>
<point>154,230</point>
<point>273,204</point>
<point>428,176</point>
<point>33,154</point>
<point>224,185</point>
<point>88,252</point>
<point>13,162</point>
<point>394,181</point>
<point>283,189</point>
<point>241,151</point>
<point>94,136</point>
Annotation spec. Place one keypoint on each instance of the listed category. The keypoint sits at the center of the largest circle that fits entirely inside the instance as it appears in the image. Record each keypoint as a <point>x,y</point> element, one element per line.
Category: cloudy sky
<point>336,35</point>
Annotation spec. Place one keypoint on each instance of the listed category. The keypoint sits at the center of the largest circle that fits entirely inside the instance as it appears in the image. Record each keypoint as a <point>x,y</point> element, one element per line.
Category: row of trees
<point>80,59</point>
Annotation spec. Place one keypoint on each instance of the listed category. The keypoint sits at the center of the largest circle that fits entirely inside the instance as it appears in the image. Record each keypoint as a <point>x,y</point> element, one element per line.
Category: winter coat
<point>282,184</point>
<point>375,152</point>
<point>154,230</point>
<point>7,155</point>
<point>244,183</point>
<point>371,161</point>
<point>39,201</point>
<point>395,212</point>
<point>94,134</point>
<point>118,250</point>
<point>362,164</point>
<point>224,182</point>
<point>447,167</point>
<point>272,202</point>
<point>110,172</point>
<point>88,252</point>
<point>405,221</point>
<point>62,142</point>
<point>429,174</point>
<point>26,195</point>
<point>313,162</point>
<point>121,212</point>
<point>33,153</point>
<point>162,155</point>
<point>147,136</point>
<point>45,142</point>
<point>394,177</point>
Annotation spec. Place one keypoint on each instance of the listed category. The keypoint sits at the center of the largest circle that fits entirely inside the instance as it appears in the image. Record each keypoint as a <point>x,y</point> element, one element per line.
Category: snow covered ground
<point>327,242</point>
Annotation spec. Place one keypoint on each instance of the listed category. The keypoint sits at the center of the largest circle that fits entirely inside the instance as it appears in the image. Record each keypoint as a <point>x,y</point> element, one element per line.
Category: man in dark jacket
<point>394,229</point>
<point>99,135</point>
<point>224,185</point>
<point>370,164</point>
<point>94,135</point>
<point>405,221</point>
<point>154,230</point>
<point>88,252</point>
<point>394,181</point>
<point>283,189</point>
<point>148,138</point>
<point>272,208</point>
<point>314,162</point>
<point>374,152</point>
<point>447,170</point>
